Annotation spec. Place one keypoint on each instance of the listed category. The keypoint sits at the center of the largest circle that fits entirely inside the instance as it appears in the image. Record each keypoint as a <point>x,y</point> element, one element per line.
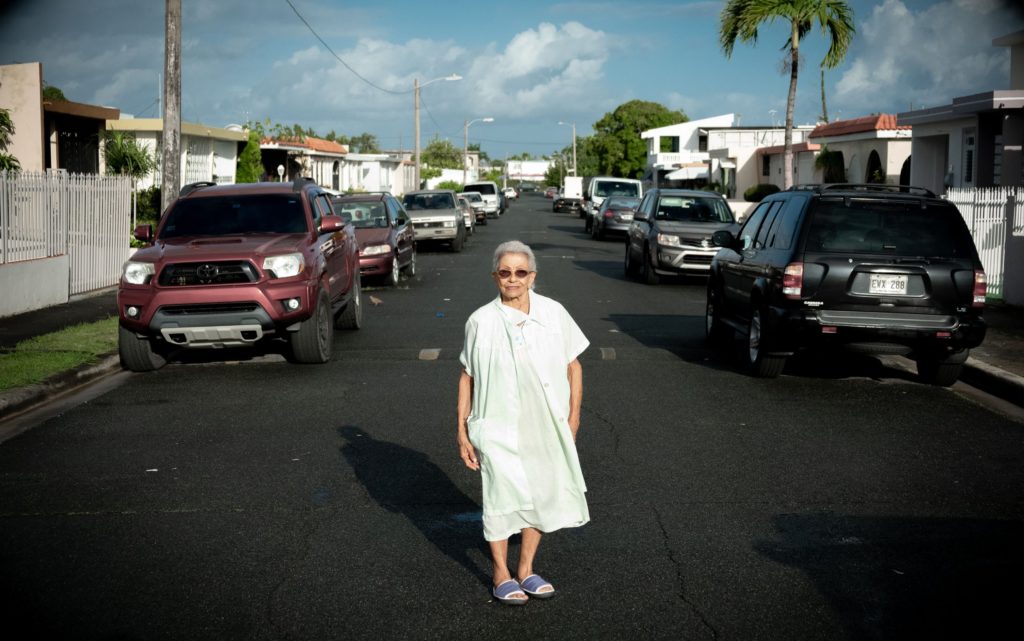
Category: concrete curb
<point>22,398</point>
<point>994,380</point>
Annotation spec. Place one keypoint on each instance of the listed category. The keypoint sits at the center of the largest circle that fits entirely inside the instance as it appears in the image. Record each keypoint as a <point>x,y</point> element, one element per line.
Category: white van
<point>488,190</point>
<point>600,187</point>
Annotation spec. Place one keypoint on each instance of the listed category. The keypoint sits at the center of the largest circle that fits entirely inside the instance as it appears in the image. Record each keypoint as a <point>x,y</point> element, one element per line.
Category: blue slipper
<point>506,593</point>
<point>533,585</point>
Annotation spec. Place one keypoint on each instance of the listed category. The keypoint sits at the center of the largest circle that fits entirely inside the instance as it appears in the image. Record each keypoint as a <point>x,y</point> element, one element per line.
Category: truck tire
<point>138,354</point>
<point>352,316</point>
<point>315,338</point>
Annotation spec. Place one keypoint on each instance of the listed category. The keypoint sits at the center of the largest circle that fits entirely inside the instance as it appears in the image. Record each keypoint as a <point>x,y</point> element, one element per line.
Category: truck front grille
<point>214,273</point>
<point>209,308</point>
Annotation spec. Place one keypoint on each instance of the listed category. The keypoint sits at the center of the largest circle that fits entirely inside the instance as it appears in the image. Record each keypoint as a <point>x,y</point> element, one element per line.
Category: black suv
<point>872,268</point>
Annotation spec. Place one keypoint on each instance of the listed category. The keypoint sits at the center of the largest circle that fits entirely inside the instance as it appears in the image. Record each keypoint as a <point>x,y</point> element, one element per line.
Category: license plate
<point>625,216</point>
<point>888,285</point>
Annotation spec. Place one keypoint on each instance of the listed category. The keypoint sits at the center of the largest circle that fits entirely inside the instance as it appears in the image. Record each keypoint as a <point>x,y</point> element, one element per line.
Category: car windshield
<point>483,189</point>
<point>607,188</point>
<point>887,227</point>
<point>230,215</point>
<point>698,209</point>
<point>362,214</point>
<point>428,201</point>
<point>622,203</point>
<point>473,197</point>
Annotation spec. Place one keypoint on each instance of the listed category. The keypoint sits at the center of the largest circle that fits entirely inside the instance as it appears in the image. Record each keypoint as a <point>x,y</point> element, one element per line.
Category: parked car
<point>614,216</point>
<point>870,268</point>
<point>491,195</point>
<point>468,214</point>
<point>601,187</point>
<point>551,192</point>
<point>671,232</point>
<point>436,216</point>
<point>510,193</point>
<point>476,201</point>
<point>387,243</point>
<point>231,264</point>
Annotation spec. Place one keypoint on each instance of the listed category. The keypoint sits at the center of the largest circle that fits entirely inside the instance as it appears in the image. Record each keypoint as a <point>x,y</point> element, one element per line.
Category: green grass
<point>36,359</point>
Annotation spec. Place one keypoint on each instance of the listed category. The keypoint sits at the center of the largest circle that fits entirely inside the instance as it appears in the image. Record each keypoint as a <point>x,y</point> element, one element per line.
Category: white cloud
<point>925,58</point>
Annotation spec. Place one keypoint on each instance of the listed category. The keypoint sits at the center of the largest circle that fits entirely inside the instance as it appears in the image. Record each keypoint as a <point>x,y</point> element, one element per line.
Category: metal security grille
<point>218,273</point>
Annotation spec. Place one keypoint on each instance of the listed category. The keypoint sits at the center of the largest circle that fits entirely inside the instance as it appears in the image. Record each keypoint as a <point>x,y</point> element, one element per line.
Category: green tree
<point>364,143</point>
<point>741,19</point>
<point>53,94</point>
<point>831,165</point>
<point>7,161</point>
<point>250,162</point>
<point>441,154</point>
<point>124,156</point>
<point>617,145</point>
<point>557,170</point>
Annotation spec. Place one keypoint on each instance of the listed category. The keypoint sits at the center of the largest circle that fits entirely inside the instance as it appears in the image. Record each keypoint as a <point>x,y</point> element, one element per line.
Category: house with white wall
<point>710,150</point>
<point>873,149</point>
<point>976,140</point>
<point>770,163</point>
<point>287,158</point>
<point>208,154</point>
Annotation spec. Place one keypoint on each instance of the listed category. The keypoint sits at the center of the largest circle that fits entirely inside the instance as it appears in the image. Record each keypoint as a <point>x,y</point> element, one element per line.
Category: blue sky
<point>527,64</point>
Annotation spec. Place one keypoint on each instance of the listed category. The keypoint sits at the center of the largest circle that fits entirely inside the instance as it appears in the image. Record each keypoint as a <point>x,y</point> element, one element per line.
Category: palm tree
<point>7,161</point>
<point>742,18</point>
<point>125,156</point>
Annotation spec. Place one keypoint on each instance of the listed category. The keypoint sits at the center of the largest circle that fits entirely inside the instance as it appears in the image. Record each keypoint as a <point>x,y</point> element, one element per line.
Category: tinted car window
<point>607,188</point>
<point>887,227</point>
<point>363,214</point>
<point>749,231</point>
<point>623,203</point>
<point>429,201</point>
<point>693,209</point>
<point>766,225</point>
<point>481,189</point>
<point>784,227</point>
<point>223,216</point>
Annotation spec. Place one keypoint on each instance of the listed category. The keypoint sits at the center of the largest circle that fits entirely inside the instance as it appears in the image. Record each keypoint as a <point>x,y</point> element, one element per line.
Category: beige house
<point>874,149</point>
<point>208,154</point>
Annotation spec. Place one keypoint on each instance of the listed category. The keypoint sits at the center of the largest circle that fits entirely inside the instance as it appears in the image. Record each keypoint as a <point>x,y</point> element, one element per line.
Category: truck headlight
<point>284,266</point>
<point>669,240</point>
<point>375,250</point>
<point>449,223</point>
<point>138,273</point>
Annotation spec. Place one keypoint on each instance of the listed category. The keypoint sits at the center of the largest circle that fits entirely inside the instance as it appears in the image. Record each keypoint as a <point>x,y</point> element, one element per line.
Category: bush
<point>148,206</point>
<point>757,193</point>
<point>454,185</point>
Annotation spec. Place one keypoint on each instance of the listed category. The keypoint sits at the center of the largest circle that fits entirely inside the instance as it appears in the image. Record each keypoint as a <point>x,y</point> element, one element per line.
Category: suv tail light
<point>793,281</point>
<point>980,289</point>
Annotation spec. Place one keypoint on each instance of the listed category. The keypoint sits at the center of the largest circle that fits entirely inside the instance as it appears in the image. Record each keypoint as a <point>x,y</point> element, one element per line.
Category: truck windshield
<point>428,201</point>
<point>230,215</point>
<point>482,189</point>
<point>607,188</point>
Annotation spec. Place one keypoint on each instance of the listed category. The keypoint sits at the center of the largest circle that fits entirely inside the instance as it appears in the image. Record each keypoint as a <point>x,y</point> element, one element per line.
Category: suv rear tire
<point>315,338</point>
<point>941,369</point>
<point>759,364</point>
<point>138,354</point>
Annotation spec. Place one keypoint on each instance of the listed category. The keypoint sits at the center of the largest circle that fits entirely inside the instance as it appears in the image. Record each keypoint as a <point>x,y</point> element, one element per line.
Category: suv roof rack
<point>191,187</point>
<point>896,189</point>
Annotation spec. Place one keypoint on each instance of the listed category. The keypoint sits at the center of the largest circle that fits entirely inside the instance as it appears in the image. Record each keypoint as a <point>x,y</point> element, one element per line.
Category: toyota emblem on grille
<point>705,243</point>
<point>207,272</point>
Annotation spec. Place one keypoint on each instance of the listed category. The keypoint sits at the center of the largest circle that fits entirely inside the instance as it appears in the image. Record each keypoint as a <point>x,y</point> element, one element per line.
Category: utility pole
<point>171,148</point>
<point>416,112</point>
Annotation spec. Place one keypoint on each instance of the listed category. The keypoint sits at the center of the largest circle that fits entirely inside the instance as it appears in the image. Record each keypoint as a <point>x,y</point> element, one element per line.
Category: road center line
<point>430,354</point>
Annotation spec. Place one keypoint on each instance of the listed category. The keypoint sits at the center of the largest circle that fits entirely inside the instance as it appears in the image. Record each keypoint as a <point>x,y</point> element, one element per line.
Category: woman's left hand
<point>574,426</point>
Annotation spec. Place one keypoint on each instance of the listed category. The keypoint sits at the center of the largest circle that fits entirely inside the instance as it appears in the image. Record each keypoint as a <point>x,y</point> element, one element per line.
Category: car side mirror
<point>331,224</point>
<point>723,238</point>
<point>144,233</point>
<point>640,215</point>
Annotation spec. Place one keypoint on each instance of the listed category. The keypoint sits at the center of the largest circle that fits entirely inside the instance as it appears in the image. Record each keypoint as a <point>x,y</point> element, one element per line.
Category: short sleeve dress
<point>530,469</point>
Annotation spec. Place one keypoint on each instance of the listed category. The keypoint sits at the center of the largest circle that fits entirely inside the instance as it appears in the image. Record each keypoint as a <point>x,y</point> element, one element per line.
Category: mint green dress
<point>530,469</point>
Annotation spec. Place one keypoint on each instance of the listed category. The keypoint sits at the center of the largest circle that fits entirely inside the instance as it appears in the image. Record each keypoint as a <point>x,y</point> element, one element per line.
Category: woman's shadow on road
<point>405,481</point>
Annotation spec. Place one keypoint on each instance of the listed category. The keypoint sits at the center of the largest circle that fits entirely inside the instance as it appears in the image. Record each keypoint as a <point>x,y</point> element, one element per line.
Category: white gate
<point>987,211</point>
<point>87,217</point>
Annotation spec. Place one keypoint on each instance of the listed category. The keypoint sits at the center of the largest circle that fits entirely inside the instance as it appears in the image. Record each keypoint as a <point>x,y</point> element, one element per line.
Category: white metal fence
<point>84,216</point>
<point>987,212</point>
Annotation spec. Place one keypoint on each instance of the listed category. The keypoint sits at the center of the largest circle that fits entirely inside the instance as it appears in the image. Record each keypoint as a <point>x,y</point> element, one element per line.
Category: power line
<point>440,129</point>
<point>328,47</point>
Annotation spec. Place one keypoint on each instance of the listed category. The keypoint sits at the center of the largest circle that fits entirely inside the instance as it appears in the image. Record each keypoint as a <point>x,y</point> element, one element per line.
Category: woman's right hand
<point>468,453</point>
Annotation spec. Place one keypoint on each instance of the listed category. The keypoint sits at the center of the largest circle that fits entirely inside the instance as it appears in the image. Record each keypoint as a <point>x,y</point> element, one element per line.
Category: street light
<point>465,144</point>
<point>573,144</point>
<point>416,108</point>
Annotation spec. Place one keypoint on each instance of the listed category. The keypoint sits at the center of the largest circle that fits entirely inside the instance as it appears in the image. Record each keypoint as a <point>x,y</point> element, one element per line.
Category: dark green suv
<point>870,268</point>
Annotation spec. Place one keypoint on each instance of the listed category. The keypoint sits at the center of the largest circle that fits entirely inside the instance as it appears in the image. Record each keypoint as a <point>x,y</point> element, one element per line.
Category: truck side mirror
<point>144,233</point>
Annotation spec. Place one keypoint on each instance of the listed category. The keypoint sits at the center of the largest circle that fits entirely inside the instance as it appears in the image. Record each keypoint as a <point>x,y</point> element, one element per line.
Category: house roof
<point>187,128</point>
<point>877,122</point>
<point>797,147</point>
<point>307,142</point>
<point>81,110</point>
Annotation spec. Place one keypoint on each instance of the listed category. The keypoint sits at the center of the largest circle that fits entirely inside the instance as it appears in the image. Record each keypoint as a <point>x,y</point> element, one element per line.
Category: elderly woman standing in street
<point>519,411</point>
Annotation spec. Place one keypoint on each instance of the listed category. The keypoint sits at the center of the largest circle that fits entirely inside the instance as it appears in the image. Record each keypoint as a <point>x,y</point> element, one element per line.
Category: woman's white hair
<point>514,247</point>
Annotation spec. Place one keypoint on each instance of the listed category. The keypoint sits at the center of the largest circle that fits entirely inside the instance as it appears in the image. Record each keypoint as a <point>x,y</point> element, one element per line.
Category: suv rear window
<point>482,189</point>
<point>605,188</point>
<point>230,215</point>
<point>887,227</point>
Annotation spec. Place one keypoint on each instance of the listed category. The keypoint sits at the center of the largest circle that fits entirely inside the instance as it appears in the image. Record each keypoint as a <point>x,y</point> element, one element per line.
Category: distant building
<point>975,141</point>
<point>319,159</point>
<point>874,149</point>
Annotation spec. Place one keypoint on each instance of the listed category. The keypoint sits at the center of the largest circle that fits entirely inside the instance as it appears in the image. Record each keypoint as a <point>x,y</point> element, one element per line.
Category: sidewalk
<point>996,367</point>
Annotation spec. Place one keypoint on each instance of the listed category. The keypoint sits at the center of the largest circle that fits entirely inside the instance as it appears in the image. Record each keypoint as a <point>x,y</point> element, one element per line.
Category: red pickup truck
<point>231,264</point>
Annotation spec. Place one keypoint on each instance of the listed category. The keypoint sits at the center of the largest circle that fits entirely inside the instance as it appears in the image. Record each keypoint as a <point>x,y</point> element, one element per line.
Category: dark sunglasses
<point>506,273</point>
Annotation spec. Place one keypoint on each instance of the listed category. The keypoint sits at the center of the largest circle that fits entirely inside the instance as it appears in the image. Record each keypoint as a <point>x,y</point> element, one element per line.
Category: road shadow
<point>904,577</point>
<point>678,334</point>
<point>406,482</point>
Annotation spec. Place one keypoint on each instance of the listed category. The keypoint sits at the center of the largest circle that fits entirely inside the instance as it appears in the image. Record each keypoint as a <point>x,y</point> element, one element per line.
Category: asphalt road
<point>256,499</point>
